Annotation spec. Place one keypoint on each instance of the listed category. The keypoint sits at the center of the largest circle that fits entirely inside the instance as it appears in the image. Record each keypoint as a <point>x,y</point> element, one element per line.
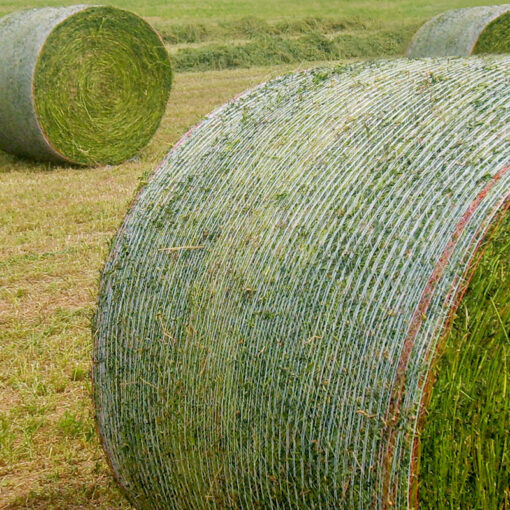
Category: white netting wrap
<point>270,302</point>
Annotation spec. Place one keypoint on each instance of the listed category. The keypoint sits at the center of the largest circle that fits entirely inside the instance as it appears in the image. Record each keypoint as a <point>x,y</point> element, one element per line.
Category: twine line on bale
<point>283,364</point>
<point>463,32</point>
<point>81,84</point>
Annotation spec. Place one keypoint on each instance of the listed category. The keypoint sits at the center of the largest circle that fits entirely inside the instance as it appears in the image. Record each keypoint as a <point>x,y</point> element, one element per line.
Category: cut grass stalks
<point>251,27</point>
<point>84,85</point>
<point>496,37</point>
<point>465,449</point>
<point>272,50</point>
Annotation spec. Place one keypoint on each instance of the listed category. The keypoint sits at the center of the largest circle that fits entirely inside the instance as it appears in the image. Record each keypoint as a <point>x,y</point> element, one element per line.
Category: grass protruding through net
<point>269,305</point>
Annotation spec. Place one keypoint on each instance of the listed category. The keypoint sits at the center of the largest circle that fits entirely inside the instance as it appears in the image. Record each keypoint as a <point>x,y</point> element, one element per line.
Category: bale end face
<point>496,37</point>
<point>101,85</point>
<point>465,460</point>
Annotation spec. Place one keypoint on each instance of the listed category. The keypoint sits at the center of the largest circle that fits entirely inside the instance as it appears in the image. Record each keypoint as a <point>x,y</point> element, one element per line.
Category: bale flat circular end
<point>81,84</point>
<point>274,307</point>
<point>101,85</point>
<point>464,32</point>
<point>464,459</point>
<point>495,38</point>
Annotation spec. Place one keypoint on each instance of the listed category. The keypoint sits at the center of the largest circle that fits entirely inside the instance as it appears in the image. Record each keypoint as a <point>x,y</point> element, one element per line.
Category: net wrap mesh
<point>270,305</point>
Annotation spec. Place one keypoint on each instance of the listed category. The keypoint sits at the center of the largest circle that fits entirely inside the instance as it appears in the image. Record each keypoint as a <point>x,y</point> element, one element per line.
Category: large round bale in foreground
<point>81,84</point>
<point>464,32</point>
<point>272,311</point>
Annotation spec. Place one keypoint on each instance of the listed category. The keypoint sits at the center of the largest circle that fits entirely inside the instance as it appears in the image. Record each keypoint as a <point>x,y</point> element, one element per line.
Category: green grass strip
<point>465,459</point>
<point>252,27</point>
<point>101,86</point>
<point>274,50</point>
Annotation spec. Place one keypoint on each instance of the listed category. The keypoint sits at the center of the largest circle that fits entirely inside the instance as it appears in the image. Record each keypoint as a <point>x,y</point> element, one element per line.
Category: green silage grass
<point>496,37</point>
<point>465,458</point>
<point>101,86</point>
<point>272,49</point>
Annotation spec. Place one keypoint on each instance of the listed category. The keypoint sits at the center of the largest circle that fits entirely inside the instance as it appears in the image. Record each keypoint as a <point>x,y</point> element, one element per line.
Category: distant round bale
<point>273,310</point>
<point>464,32</point>
<point>81,84</point>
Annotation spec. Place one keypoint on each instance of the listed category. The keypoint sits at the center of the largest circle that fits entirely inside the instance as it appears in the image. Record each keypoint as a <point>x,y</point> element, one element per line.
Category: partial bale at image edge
<point>463,32</point>
<point>86,85</point>
<point>272,347</point>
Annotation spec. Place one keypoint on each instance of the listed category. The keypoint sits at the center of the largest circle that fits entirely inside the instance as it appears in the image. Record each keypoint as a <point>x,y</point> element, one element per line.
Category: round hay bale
<point>464,32</point>
<point>271,306</point>
<point>81,84</point>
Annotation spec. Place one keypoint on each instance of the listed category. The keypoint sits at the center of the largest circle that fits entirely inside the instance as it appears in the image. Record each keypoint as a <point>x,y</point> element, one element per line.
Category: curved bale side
<point>81,84</point>
<point>270,307</point>
<point>463,32</point>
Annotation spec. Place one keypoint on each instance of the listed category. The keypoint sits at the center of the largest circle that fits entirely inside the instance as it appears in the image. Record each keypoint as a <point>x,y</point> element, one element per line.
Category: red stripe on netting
<point>394,408</point>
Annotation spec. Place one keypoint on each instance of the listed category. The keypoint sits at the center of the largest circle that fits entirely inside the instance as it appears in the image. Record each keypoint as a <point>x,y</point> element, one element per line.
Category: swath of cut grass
<point>272,50</point>
<point>252,27</point>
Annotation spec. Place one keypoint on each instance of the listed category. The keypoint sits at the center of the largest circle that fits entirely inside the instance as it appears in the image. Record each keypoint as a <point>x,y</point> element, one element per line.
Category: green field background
<point>196,10</point>
<point>216,35</point>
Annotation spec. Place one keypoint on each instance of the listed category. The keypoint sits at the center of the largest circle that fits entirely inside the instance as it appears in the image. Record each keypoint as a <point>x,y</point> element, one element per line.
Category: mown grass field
<point>197,10</point>
<point>55,226</point>
<point>56,222</point>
